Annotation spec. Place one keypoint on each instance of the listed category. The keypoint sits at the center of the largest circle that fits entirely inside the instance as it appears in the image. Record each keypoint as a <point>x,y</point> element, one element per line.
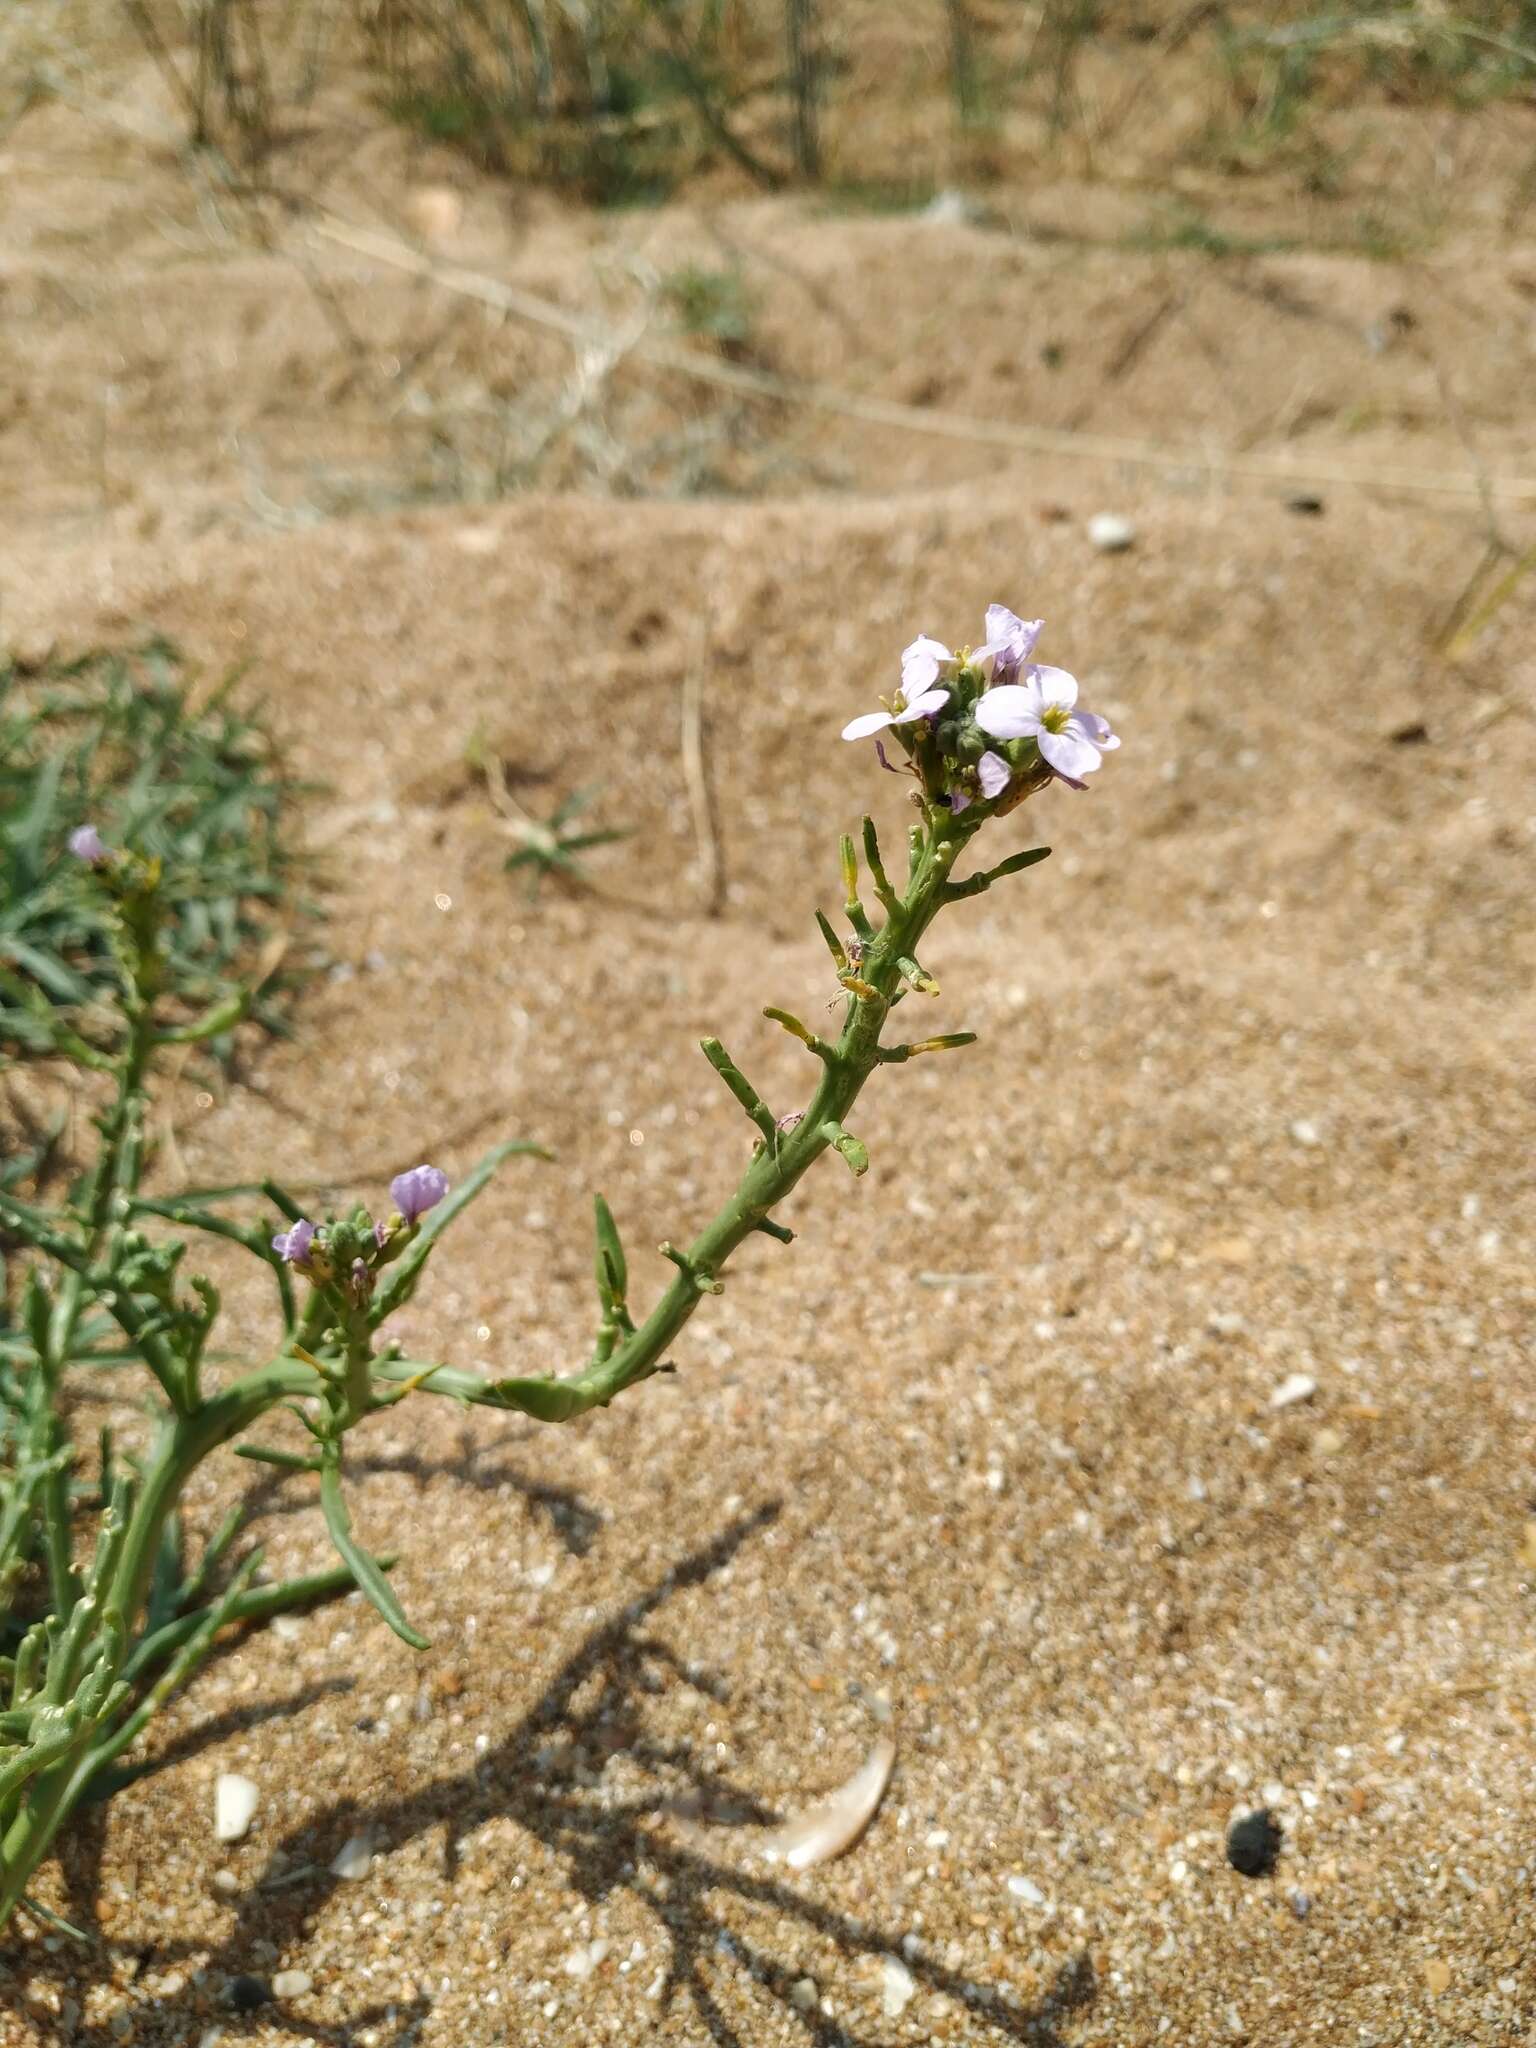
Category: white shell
<point>234,1804</point>
<point>353,1858</point>
<point>1297,1388</point>
<point>826,1830</point>
<point>898,1987</point>
<point>1111,534</point>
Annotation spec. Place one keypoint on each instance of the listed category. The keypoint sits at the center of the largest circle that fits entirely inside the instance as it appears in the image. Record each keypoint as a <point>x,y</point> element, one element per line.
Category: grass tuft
<point>119,740</point>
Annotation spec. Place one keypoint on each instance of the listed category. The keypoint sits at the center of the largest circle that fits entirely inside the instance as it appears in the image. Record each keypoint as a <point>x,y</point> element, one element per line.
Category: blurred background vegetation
<point>618,101</point>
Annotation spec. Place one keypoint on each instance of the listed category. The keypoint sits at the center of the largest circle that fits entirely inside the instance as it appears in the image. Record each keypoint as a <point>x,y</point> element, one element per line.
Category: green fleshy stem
<point>782,1158</point>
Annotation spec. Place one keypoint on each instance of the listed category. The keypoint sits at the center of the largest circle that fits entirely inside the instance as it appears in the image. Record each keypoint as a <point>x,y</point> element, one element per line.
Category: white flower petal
<point>1056,686</point>
<point>867,722</point>
<point>993,773</point>
<point>920,664</point>
<point>919,707</point>
<point>1097,729</point>
<point>1010,712</point>
<point>1069,753</point>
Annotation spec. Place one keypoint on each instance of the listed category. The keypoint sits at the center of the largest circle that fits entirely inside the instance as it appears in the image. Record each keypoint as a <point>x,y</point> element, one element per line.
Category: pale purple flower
<point>293,1245</point>
<point>918,695</point>
<point>381,1233</point>
<point>414,1193</point>
<point>1072,743</point>
<point>1010,642</point>
<point>87,844</point>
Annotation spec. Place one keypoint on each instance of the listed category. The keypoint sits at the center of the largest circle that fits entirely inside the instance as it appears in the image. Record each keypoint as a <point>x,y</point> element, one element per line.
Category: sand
<point>988,1460</point>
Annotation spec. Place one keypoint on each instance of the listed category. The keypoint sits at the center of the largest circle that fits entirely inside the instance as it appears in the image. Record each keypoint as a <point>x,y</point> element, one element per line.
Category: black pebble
<point>246,1993</point>
<point>1307,503</point>
<point>1253,1843</point>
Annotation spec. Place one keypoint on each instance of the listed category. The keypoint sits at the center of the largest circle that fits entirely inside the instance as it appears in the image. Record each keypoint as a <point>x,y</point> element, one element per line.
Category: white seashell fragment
<point>353,1858</point>
<point>234,1805</point>
<point>1111,534</point>
<point>1299,1387</point>
<point>826,1830</point>
<point>898,1987</point>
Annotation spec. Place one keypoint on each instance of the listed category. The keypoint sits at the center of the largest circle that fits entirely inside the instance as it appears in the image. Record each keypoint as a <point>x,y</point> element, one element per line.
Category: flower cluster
<point>988,724</point>
<point>314,1249</point>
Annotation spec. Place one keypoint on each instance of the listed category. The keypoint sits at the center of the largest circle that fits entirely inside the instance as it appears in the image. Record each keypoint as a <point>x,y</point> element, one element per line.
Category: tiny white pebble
<point>1111,534</point>
<point>897,1985</point>
<point>1295,1387</point>
<point>353,1858</point>
<point>291,1983</point>
<point>1024,1888</point>
<point>1305,1132</point>
<point>234,1805</point>
<point>802,1994</point>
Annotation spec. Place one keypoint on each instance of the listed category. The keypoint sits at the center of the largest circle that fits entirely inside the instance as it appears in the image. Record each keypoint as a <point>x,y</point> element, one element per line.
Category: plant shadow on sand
<point>534,1779</point>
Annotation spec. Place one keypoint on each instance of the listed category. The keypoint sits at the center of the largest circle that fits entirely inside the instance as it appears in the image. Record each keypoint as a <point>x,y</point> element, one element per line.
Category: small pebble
<point>1024,1888</point>
<point>1328,1443</point>
<point>1300,1905</point>
<point>802,1994</point>
<point>1295,1387</point>
<point>1307,503</point>
<point>1305,1132</point>
<point>291,1983</point>
<point>234,1804</point>
<point>1253,1843</point>
<point>582,1961</point>
<point>1111,534</point>
<point>898,1987</point>
<point>245,1994</point>
<point>353,1858</point>
<point>1437,1976</point>
<point>225,1881</point>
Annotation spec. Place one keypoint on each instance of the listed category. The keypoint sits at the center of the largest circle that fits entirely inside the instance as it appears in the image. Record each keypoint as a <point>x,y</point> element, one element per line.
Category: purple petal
<point>1096,729</point>
<point>923,706</point>
<point>994,774</point>
<point>87,844</point>
<point>1010,712</point>
<point>959,801</point>
<point>381,1234</point>
<point>293,1244</point>
<point>867,722</point>
<point>1069,753</point>
<point>414,1193</point>
<point>920,665</point>
<point>886,762</point>
<point>1007,631</point>
<point>1055,685</point>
